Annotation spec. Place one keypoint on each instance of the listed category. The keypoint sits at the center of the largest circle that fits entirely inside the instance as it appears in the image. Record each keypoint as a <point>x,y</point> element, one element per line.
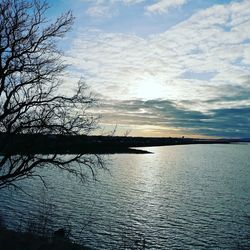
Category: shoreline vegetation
<point>16,240</point>
<point>27,240</point>
<point>82,144</point>
<point>42,232</point>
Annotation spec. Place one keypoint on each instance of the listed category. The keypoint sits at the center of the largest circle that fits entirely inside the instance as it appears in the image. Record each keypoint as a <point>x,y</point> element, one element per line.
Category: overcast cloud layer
<point>192,79</point>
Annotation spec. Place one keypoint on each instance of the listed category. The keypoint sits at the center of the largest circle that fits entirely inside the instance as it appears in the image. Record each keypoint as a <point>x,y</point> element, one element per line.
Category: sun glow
<point>149,89</point>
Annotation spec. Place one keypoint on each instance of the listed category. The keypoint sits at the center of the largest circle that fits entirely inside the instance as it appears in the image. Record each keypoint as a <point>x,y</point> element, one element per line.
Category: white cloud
<point>163,6</point>
<point>160,5</point>
<point>105,8</point>
<point>99,11</point>
<point>211,41</point>
<point>131,2</point>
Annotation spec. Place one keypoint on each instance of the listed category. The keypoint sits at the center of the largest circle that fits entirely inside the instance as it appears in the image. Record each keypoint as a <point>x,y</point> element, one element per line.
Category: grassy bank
<point>11,240</point>
<point>38,232</point>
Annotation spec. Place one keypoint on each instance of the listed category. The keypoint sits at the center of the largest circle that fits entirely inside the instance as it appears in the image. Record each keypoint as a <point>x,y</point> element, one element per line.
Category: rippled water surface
<point>180,197</point>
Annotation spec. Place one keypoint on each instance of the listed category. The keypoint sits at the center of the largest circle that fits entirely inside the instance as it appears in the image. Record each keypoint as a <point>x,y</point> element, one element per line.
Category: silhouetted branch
<point>30,71</point>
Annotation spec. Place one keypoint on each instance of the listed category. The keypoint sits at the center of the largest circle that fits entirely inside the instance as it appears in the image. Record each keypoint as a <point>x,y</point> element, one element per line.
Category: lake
<point>180,197</point>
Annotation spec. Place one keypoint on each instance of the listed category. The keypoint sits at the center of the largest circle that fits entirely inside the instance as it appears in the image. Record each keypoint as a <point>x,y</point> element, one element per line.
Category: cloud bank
<point>200,64</point>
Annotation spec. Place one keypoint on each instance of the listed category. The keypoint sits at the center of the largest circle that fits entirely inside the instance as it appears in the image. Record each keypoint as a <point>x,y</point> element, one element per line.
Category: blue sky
<point>163,67</point>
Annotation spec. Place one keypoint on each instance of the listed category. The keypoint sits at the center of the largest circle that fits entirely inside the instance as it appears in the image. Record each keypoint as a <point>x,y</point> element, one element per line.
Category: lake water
<point>180,197</point>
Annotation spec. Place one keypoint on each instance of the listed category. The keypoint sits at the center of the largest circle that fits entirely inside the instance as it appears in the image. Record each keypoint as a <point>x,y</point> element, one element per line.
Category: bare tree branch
<point>30,71</point>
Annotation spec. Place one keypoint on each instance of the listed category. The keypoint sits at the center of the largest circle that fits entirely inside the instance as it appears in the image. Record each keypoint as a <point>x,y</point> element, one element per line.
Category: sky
<point>163,67</point>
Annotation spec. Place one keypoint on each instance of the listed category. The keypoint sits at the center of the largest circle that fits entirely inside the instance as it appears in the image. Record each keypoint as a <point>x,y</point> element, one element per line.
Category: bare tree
<point>31,67</point>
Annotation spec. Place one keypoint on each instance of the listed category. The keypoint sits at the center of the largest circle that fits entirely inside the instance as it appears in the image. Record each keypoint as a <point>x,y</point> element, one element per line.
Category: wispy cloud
<point>131,2</point>
<point>106,8</point>
<point>99,11</point>
<point>164,6</point>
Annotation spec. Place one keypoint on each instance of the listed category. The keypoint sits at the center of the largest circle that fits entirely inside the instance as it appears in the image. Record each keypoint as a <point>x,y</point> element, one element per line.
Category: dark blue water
<point>180,197</point>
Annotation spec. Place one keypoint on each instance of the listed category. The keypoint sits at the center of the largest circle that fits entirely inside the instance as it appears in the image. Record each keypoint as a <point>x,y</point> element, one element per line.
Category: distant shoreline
<point>82,144</point>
